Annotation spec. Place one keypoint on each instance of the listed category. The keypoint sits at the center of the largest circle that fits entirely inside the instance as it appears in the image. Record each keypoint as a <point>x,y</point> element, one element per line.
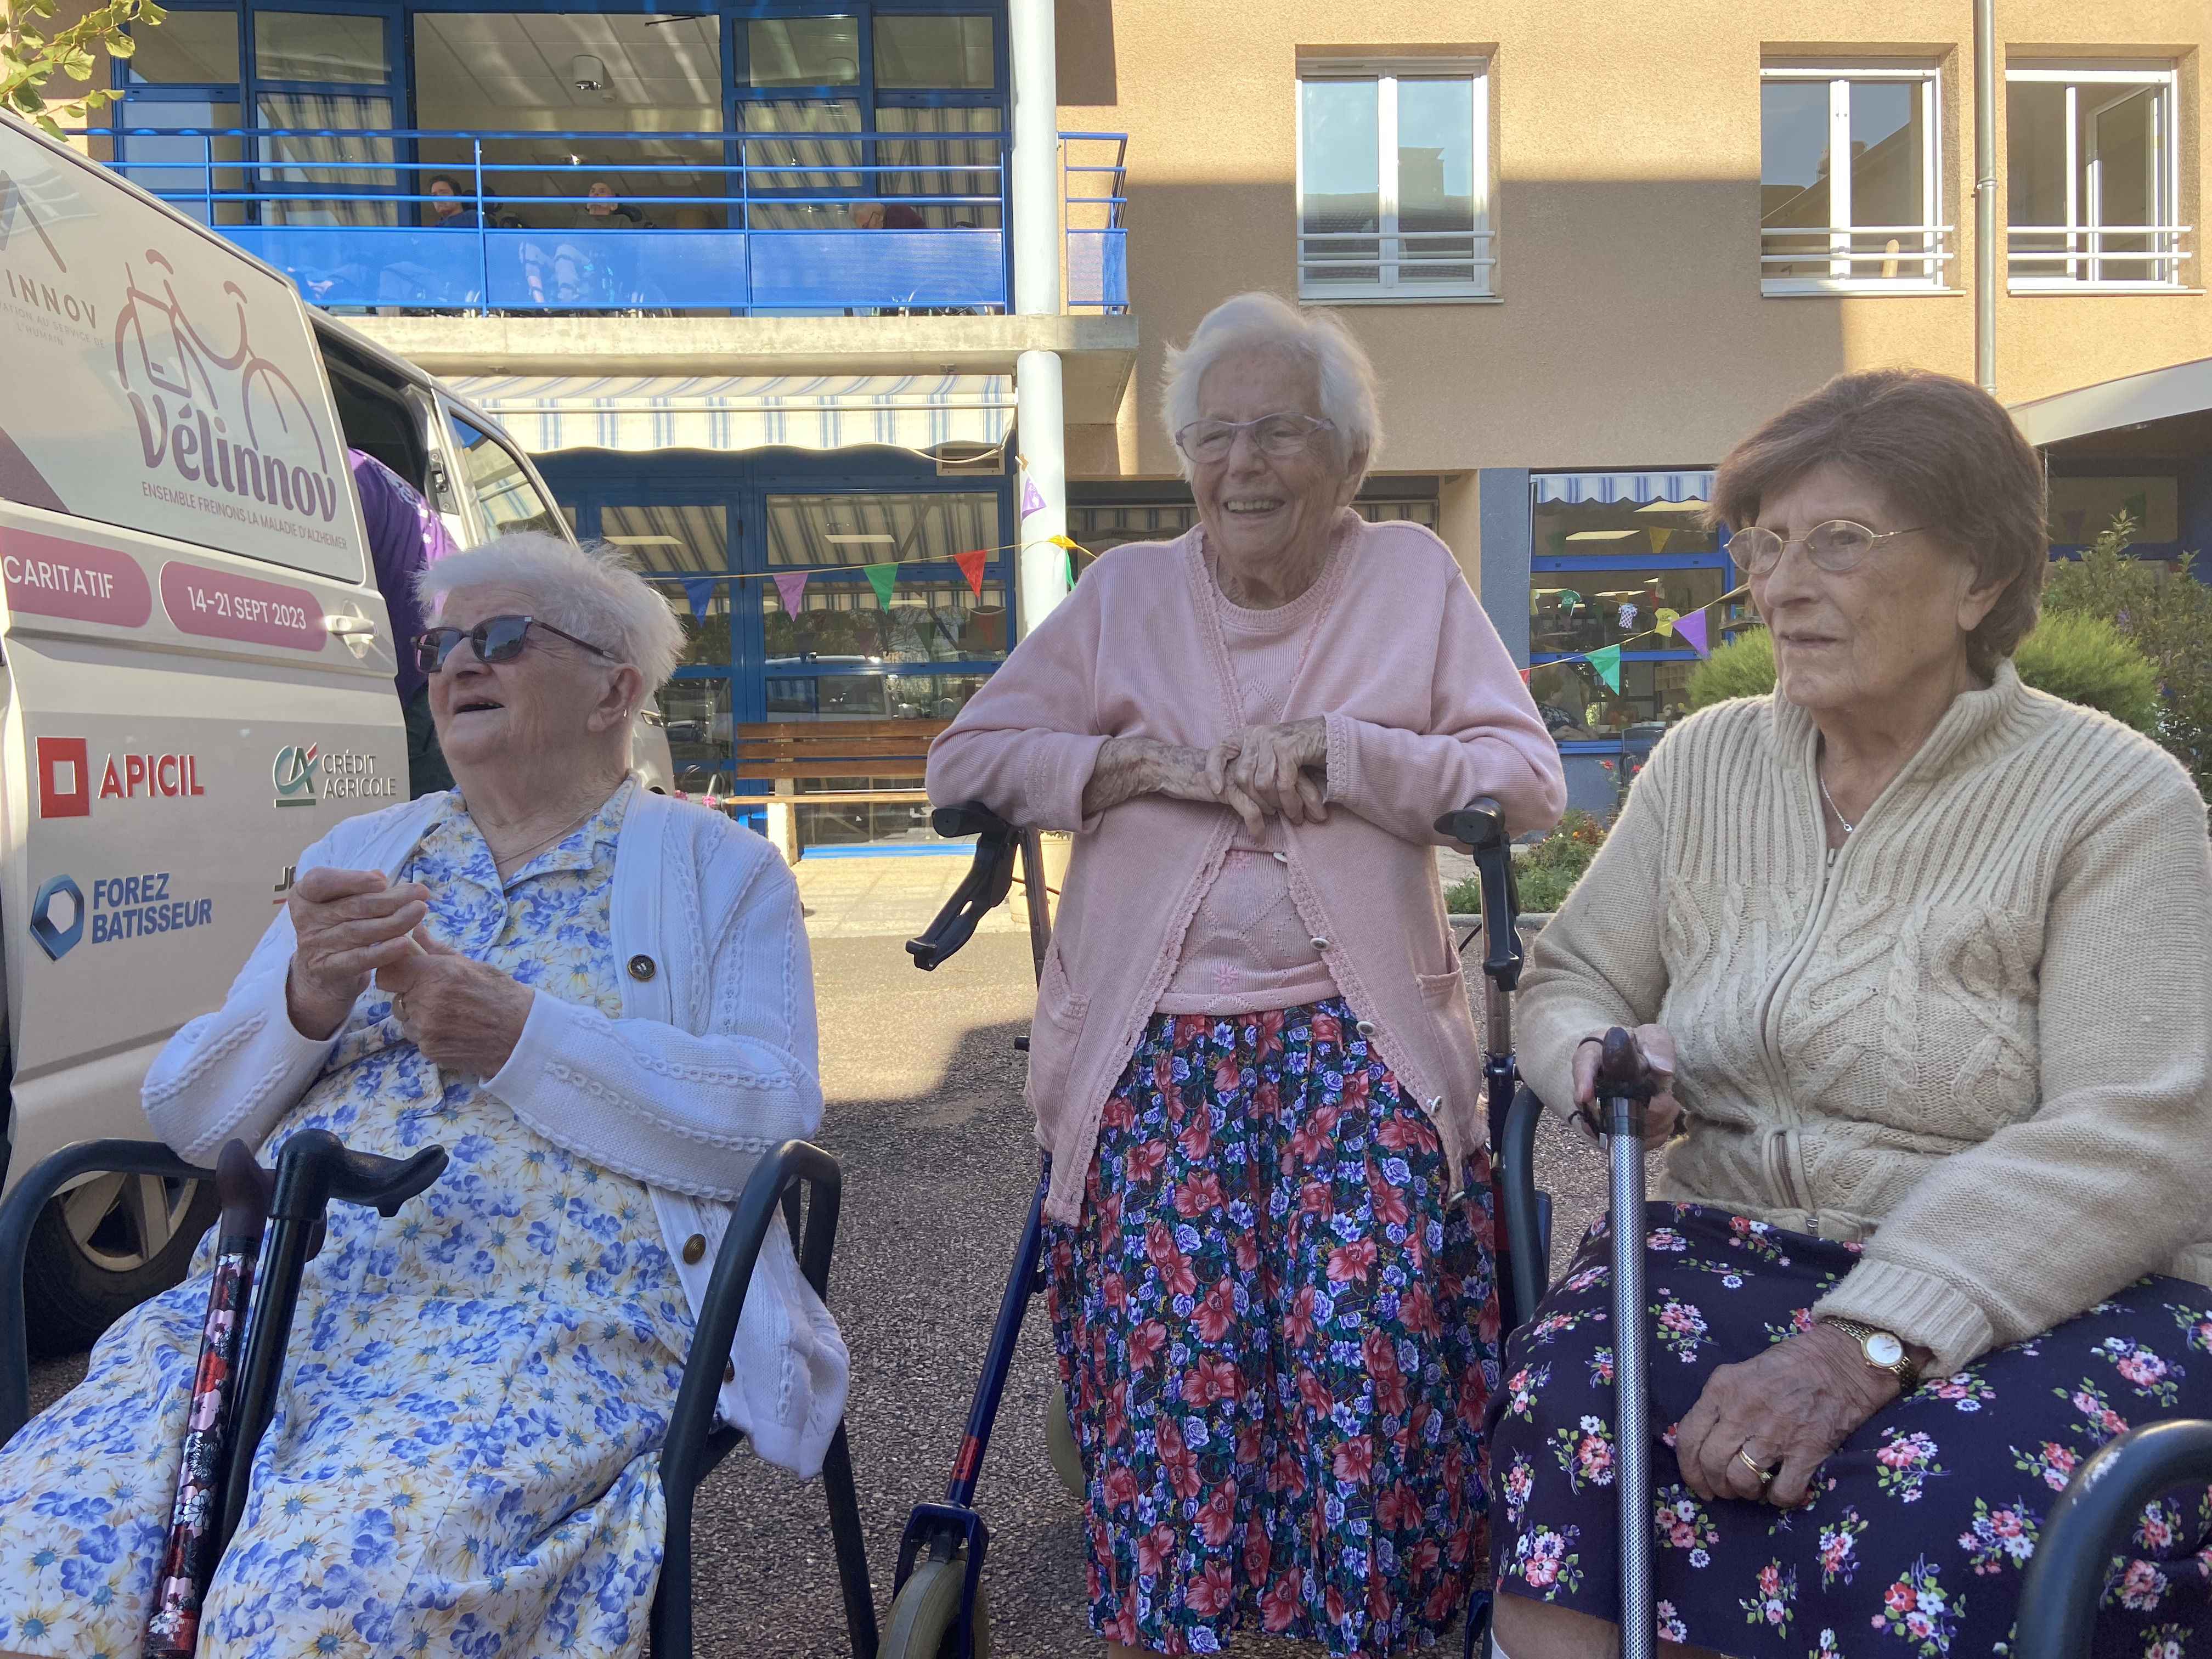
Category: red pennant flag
<point>1524,675</point>
<point>971,566</point>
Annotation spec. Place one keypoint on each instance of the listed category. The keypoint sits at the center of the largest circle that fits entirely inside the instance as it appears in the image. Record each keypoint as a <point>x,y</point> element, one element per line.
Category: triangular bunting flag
<point>971,566</point>
<point>1691,630</point>
<point>1667,619</point>
<point>1062,541</point>
<point>1032,497</point>
<point>1524,675</point>
<point>700,591</point>
<point>880,577</point>
<point>1606,661</point>
<point>1660,539</point>
<point>793,587</point>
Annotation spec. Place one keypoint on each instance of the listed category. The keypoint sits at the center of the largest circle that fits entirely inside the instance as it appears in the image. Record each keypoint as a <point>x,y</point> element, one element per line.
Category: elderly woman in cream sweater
<point>1925,955</point>
<point>1253,1060</point>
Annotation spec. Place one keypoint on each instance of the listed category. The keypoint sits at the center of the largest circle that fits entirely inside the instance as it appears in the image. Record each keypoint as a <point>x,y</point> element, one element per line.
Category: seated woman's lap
<point>1921,1523</point>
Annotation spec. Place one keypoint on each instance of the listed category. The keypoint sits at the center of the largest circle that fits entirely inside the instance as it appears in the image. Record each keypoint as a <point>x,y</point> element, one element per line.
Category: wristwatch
<point>1884,1351</point>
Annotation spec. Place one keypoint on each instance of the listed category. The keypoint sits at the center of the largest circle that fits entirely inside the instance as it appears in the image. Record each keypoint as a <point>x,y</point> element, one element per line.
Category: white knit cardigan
<point>712,1064</point>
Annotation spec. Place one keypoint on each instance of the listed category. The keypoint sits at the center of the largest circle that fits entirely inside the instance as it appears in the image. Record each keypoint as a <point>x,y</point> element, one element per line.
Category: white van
<point>197,674</point>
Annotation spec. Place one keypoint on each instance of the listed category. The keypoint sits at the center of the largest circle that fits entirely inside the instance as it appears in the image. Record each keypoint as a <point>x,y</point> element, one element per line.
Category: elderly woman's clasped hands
<point>1261,772</point>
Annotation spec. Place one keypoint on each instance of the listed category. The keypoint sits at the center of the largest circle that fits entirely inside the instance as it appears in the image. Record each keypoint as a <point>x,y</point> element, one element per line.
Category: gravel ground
<point>925,1117</point>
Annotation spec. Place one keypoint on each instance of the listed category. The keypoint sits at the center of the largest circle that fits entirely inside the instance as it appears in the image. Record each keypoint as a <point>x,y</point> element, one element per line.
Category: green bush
<point>1743,667</point>
<point>2085,659</point>
<point>2165,616</point>
<point>1545,873</point>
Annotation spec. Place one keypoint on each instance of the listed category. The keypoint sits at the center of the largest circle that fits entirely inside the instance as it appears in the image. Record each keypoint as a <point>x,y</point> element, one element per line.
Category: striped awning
<point>924,412</point>
<point>1638,487</point>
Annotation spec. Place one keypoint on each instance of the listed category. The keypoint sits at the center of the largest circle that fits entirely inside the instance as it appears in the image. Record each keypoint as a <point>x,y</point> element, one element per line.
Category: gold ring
<point>1764,1475</point>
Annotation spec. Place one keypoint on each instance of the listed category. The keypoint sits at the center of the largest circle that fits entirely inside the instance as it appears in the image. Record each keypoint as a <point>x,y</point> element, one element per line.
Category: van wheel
<point>101,1250</point>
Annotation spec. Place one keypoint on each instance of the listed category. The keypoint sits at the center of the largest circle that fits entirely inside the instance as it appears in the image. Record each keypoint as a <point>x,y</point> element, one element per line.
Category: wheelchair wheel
<point>925,1611</point>
<point>1060,1443</point>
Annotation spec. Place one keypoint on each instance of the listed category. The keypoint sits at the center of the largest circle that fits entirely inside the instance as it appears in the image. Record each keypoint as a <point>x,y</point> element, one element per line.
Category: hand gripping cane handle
<point>1624,1087</point>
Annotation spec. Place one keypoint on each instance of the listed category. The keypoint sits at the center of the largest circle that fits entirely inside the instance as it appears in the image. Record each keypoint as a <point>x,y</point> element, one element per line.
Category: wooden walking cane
<point>188,1560</point>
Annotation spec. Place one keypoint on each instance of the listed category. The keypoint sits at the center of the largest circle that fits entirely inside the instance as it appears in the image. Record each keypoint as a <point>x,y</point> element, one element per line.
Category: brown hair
<point>1946,455</point>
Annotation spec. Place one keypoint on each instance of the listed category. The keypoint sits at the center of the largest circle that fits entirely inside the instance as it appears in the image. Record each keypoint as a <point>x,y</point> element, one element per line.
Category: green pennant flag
<point>881,576</point>
<point>1606,661</point>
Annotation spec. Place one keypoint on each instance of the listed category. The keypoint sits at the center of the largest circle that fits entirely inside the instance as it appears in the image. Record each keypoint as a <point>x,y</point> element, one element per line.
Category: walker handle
<point>980,891</point>
<point>1480,828</point>
<point>1625,1083</point>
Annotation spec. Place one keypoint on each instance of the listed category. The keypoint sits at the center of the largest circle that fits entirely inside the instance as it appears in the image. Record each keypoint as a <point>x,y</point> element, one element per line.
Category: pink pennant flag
<point>1032,497</point>
<point>1524,675</point>
<point>971,566</point>
<point>793,587</point>
<point>1691,630</point>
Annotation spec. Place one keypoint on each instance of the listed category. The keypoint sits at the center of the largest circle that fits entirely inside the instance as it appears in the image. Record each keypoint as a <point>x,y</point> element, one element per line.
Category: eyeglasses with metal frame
<point>1837,546</point>
<point>1281,436</point>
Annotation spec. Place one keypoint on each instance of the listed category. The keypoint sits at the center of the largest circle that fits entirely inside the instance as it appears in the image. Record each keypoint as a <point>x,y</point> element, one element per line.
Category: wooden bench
<point>771,757</point>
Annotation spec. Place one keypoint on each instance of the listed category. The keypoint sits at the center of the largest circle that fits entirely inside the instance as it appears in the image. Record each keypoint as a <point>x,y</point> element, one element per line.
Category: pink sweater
<point>1425,712</point>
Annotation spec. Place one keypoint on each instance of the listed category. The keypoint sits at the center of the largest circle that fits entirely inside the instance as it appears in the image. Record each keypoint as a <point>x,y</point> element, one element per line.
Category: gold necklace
<point>528,853</point>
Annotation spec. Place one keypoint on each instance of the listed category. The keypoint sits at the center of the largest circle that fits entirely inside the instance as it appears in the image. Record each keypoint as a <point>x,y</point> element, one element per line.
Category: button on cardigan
<point>1425,712</point>
<point>712,1064</point>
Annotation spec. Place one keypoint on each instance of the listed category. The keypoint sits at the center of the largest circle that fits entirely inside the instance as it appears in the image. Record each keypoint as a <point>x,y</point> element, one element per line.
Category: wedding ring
<point>1764,1475</point>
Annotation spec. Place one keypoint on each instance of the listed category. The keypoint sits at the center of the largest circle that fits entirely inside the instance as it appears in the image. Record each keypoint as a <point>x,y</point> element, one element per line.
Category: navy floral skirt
<point>1921,1522</point>
<point>1278,1328</point>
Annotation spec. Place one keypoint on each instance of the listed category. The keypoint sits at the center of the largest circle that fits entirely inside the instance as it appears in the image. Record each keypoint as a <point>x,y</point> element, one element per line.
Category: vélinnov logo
<point>294,773</point>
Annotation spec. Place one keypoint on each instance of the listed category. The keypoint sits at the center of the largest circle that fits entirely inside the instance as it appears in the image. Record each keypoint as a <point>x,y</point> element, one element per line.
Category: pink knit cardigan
<point>1425,712</point>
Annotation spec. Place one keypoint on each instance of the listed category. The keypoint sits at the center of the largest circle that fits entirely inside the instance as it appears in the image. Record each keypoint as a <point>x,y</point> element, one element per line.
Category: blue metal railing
<point>749,223</point>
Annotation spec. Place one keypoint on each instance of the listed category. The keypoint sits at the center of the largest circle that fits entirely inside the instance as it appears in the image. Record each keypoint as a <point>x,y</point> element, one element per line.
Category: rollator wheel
<point>1060,1443</point>
<point>925,1611</point>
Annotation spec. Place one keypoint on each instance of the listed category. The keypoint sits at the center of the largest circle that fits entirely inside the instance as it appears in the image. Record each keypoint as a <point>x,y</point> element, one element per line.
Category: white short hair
<point>593,592</point>
<point>1259,321</point>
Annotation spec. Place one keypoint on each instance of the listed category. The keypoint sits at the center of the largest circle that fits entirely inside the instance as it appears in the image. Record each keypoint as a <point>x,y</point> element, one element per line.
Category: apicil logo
<point>294,773</point>
<point>58,916</point>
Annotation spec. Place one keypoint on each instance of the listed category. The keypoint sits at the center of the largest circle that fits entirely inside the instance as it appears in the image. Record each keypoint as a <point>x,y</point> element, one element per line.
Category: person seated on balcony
<point>895,216</point>
<point>1253,1061</point>
<point>607,211</point>
<point>451,210</point>
<point>466,1449</point>
<point>1934,1224</point>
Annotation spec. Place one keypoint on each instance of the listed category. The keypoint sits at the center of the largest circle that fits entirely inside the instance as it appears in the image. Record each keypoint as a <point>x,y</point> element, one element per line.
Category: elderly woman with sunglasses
<point>1253,1062</point>
<point>1921,956</point>
<point>599,1001</point>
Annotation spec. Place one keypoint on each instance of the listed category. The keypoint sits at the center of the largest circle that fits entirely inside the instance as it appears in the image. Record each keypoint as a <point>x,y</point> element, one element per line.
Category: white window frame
<point>2027,271</point>
<point>1861,273</point>
<point>1395,248</point>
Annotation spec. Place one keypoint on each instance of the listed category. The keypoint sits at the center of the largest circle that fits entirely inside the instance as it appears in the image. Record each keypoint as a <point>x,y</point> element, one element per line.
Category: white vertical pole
<point>1041,491</point>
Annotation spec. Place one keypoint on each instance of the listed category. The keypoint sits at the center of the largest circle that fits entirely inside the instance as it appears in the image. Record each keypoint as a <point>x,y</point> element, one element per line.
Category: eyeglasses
<point>1836,546</point>
<point>495,638</point>
<point>1279,435</point>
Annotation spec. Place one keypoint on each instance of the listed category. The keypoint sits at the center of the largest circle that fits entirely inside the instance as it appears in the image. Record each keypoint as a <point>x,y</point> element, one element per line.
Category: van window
<point>502,484</point>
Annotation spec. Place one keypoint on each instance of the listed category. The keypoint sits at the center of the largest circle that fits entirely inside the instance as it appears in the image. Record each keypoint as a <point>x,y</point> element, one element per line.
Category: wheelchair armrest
<point>687,1453</point>
<point>2089,1525</point>
<point>1525,1230</point>
<point>18,1216</point>
<point>989,879</point>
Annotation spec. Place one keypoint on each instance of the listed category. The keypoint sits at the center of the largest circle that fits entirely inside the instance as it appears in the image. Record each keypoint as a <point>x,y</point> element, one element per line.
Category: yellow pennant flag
<point>1667,621</point>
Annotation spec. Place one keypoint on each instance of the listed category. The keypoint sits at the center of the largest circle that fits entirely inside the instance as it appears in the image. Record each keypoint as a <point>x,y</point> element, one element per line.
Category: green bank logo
<point>294,773</point>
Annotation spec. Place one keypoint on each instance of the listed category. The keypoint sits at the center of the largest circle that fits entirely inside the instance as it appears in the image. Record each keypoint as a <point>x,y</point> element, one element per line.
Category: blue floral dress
<point>463,1458</point>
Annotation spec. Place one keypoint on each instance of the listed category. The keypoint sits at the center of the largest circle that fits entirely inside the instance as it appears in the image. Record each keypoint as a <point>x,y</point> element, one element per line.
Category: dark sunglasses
<point>495,638</point>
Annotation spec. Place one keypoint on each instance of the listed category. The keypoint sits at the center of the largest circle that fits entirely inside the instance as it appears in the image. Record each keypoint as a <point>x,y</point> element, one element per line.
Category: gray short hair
<point>1263,321</point>
<point>593,592</point>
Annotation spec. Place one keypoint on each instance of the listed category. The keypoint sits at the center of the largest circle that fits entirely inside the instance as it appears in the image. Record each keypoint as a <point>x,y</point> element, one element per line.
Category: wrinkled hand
<point>1791,1406</point>
<point>464,1015</point>
<point>1128,767</point>
<point>1268,764</point>
<point>349,924</point>
<point>1664,1112</point>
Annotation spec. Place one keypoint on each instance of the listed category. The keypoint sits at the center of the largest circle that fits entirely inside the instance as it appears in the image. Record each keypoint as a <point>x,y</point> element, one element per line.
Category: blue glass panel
<point>922,269</point>
<point>1098,268</point>
<point>370,265</point>
<point>616,270</point>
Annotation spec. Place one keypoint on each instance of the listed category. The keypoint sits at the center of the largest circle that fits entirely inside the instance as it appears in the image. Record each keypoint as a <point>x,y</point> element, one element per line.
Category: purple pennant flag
<point>1692,629</point>
<point>793,587</point>
<point>700,591</point>
<point>1032,497</point>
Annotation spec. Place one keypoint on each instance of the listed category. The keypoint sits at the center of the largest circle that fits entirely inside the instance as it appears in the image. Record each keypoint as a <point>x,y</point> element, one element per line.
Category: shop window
<point>1393,180</point>
<point>2083,509</point>
<point>670,544</point>
<point>2093,178</point>
<point>1578,706</point>
<point>841,624</point>
<point>1588,609</point>
<point>1851,190</point>
<point>881,527</point>
<point>696,709</point>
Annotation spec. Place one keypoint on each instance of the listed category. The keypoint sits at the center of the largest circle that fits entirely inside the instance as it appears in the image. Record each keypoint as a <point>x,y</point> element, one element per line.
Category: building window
<point>1850,194</point>
<point>1393,180</point>
<point>2094,179</point>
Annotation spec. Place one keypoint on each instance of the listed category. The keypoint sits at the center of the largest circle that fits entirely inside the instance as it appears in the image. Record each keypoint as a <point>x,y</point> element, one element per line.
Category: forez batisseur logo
<point>229,421</point>
<point>294,773</point>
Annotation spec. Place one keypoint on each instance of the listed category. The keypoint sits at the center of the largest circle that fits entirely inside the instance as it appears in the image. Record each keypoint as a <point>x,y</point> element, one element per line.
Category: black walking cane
<point>188,1561</point>
<point>1624,1089</point>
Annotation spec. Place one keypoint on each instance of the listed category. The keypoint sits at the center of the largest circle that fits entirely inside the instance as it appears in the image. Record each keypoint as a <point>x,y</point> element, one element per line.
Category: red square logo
<point>64,779</point>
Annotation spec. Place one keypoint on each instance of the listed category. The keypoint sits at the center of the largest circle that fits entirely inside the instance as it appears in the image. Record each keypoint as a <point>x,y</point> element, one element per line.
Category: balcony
<point>420,221</point>
<point>2070,259</point>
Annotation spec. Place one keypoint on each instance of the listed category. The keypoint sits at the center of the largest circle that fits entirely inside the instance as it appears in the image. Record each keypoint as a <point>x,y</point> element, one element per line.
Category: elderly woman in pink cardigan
<point>1253,1062</point>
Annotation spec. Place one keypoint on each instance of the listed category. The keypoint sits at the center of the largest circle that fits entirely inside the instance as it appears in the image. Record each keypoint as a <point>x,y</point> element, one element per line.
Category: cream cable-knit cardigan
<point>1980,1040</point>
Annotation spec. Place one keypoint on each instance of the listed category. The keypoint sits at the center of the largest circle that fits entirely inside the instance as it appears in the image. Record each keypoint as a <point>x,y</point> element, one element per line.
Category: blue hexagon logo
<point>54,940</point>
